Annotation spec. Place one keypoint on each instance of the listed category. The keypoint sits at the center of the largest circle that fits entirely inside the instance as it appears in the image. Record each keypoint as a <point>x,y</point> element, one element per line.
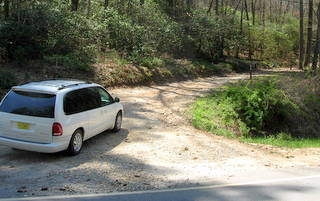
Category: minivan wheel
<point>118,122</point>
<point>76,142</point>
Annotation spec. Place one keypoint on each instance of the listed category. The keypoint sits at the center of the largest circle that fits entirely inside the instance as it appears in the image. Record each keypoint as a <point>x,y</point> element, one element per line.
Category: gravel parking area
<point>157,148</point>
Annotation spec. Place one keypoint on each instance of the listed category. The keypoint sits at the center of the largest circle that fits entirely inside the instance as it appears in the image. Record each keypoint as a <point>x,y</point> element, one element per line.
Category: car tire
<point>76,143</point>
<point>118,122</point>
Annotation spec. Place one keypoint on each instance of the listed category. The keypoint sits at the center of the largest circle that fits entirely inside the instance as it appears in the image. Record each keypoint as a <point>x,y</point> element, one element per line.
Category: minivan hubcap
<point>77,142</point>
<point>119,120</point>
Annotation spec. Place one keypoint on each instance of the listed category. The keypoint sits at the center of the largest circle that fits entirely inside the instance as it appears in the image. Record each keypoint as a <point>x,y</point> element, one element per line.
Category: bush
<point>7,80</point>
<point>211,35</point>
<point>246,108</point>
<point>147,32</point>
<point>74,62</point>
<point>56,33</point>
<point>261,105</point>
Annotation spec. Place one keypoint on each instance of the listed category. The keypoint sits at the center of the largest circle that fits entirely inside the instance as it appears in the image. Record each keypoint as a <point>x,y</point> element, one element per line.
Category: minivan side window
<point>81,100</point>
<point>106,99</point>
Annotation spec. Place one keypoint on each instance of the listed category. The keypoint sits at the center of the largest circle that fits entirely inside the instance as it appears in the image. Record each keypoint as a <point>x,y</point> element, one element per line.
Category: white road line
<point>165,190</point>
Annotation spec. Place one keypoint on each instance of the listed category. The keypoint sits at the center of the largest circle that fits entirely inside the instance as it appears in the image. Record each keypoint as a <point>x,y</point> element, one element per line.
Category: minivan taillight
<point>57,129</point>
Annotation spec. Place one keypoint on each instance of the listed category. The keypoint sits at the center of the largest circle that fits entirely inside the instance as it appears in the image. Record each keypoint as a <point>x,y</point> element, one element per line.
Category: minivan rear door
<point>27,116</point>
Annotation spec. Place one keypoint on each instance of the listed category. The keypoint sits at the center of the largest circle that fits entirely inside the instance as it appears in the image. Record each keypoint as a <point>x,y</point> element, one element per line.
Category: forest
<point>77,33</point>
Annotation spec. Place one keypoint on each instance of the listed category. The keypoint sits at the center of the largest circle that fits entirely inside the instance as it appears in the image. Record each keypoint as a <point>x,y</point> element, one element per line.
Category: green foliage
<point>72,61</point>
<point>246,108</point>
<point>217,117</point>
<point>258,103</point>
<point>284,142</point>
<point>211,34</point>
<point>55,34</point>
<point>145,33</point>
<point>277,41</point>
<point>150,62</point>
<point>7,79</point>
<point>139,33</point>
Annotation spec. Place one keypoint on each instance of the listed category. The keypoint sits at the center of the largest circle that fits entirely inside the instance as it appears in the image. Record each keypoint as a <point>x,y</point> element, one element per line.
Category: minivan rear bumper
<point>31,146</point>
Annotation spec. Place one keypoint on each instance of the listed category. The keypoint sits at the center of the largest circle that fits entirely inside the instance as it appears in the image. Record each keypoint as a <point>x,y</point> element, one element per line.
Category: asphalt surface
<point>277,185</point>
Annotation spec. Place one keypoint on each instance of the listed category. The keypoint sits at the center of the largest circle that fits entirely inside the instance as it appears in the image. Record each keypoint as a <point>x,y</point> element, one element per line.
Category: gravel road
<point>157,148</point>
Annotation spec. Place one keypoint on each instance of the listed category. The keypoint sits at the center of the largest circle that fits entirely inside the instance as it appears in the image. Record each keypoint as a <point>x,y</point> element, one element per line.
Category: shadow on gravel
<point>106,139</point>
<point>96,169</point>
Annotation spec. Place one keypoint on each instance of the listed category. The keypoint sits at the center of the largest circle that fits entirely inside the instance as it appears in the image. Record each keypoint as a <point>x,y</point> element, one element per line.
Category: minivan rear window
<point>29,103</point>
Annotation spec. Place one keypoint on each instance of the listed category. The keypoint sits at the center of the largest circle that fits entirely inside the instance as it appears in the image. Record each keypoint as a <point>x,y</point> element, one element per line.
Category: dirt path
<point>157,148</point>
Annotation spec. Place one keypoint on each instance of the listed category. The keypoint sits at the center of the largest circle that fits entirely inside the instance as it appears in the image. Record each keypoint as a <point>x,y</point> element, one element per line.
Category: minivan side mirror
<point>116,99</point>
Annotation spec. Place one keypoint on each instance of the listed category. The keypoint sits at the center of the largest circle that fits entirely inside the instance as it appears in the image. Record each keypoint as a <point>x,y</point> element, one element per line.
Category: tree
<point>317,47</point>
<point>241,29</point>
<point>210,7</point>
<point>309,35</point>
<point>74,5</point>
<point>6,9</point>
<point>189,5</point>
<point>106,4</point>
<point>301,40</point>
<point>253,10</point>
<point>217,7</point>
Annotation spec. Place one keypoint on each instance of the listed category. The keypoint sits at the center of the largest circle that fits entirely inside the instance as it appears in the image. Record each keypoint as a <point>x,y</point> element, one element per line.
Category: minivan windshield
<point>29,103</point>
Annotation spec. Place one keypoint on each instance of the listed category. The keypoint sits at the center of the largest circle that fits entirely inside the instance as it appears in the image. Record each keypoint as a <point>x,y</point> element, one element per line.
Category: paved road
<point>280,186</point>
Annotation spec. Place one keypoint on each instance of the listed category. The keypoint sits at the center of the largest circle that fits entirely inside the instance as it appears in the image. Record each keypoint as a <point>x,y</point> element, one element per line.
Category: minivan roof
<point>50,86</point>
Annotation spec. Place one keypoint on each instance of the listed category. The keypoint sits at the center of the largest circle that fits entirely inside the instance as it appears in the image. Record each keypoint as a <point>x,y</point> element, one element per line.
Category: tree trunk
<point>263,26</point>
<point>246,10</point>
<point>88,7</point>
<point>309,35</point>
<point>253,10</point>
<point>270,10</point>
<point>189,5</point>
<point>301,41</point>
<point>263,14</point>
<point>6,9</point>
<point>241,29</point>
<point>317,47</point>
<point>210,7</point>
<point>249,34</point>
<point>74,5</point>
<point>106,4</point>
<point>217,7</point>
<point>221,6</point>
<point>280,8</point>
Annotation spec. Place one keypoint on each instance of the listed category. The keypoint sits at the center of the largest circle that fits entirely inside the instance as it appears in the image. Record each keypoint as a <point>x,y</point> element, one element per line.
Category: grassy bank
<point>113,70</point>
<point>281,110</point>
<point>291,143</point>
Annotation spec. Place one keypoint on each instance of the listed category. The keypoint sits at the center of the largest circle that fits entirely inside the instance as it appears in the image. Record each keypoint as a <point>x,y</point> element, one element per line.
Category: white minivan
<point>56,115</point>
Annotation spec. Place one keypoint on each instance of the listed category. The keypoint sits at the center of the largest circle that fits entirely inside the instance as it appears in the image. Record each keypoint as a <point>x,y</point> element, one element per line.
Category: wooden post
<point>250,71</point>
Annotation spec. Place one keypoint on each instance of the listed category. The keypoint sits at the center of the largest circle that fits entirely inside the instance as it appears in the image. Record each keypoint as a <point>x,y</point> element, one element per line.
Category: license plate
<point>23,126</point>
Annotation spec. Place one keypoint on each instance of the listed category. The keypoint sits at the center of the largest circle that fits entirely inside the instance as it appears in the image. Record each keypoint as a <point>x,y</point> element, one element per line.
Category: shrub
<point>72,61</point>
<point>260,104</point>
<point>7,80</point>
<point>146,32</point>
<point>211,35</point>
<point>57,33</point>
<point>246,108</point>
